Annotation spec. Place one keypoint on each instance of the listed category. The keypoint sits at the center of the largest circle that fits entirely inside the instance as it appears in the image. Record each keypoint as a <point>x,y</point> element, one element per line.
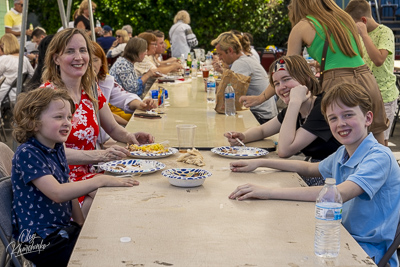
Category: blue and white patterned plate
<point>132,166</point>
<point>148,155</point>
<point>237,152</point>
<point>186,177</point>
<point>186,173</point>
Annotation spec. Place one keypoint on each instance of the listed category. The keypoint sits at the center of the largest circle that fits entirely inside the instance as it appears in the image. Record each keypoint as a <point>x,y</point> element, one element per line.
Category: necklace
<point>302,121</point>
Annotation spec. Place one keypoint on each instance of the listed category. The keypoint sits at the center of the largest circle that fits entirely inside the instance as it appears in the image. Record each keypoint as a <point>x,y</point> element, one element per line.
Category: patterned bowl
<point>186,177</point>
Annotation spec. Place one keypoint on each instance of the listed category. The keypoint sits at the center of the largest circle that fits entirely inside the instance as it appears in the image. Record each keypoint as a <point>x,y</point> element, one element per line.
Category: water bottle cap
<point>229,84</point>
<point>330,181</point>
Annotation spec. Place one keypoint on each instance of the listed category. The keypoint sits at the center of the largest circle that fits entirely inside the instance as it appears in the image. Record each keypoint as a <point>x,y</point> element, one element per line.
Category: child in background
<point>367,174</point>
<point>378,50</point>
<point>302,122</point>
<point>44,201</point>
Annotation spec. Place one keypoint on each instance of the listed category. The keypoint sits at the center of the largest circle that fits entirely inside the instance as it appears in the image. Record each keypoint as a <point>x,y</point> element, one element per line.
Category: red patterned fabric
<point>84,133</point>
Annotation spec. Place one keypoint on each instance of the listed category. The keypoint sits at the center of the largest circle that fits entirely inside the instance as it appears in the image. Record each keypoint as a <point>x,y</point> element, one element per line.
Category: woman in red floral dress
<point>69,66</point>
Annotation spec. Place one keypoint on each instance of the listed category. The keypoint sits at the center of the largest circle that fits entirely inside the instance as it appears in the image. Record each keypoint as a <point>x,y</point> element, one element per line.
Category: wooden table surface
<point>172,226</point>
<point>188,105</point>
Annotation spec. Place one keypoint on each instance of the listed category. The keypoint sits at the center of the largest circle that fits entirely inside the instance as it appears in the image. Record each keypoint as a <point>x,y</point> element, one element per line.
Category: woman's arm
<point>119,133</point>
<point>84,157</point>
<point>256,133</point>
<point>77,215</point>
<point>293,140</point>
<point>301,33</point>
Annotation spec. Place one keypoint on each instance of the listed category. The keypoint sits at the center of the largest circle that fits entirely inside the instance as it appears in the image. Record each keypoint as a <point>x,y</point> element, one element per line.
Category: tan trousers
<point>363,76</point>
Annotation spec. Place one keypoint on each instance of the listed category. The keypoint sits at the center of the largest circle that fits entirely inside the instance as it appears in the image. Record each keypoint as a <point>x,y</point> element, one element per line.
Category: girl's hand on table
<point>232,138</point>
<point>244,165</point>
<point>246,191</point>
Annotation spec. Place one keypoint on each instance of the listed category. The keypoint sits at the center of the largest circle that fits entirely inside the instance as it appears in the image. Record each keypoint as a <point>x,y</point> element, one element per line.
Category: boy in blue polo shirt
<point>366,173</point>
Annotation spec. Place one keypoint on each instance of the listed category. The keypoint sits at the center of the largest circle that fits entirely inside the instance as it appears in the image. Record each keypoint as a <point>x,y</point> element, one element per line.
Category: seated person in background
<point>246,44</point>
<point>122,103</point>
<point>37,36</point>
<point>303,126</point>
<point>150,62</point>
<point>160,50</point>
<point>123,69</point>
<point>252,50</point>
<point>42,123</point>
<point>378,49</point>
<point>118,46</point>
<point>128,29</point>
<point>107,39</point>
<point>36,79</point>
<point>82,19</point>
<point>9,60</point>
<point>367,174</point>
<point>230,51</point>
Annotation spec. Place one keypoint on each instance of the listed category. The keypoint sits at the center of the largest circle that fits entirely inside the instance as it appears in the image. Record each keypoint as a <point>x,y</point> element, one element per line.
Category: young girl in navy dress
<point>44,200</point>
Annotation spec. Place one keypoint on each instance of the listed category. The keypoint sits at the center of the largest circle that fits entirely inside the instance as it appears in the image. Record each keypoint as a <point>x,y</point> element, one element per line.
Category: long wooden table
<point>172,226</point>
<point>187,105</point>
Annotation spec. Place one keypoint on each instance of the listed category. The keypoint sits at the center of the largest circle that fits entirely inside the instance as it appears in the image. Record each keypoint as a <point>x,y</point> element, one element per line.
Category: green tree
<point>265,19</point>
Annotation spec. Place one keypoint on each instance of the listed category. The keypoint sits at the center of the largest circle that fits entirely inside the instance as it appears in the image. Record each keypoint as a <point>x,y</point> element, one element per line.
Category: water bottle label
<point>210,84</point>
<point>229,95</point>
<point>325,213</point>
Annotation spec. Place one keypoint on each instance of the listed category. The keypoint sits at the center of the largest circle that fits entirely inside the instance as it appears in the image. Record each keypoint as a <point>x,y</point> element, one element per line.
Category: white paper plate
<point>186,177</point>
<point>147,155</point>
<point>132,166</point>
<point>237,152</point>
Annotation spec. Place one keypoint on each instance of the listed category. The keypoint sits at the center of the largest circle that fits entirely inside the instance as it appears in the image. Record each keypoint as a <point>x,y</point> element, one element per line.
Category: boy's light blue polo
<point>372,217</point>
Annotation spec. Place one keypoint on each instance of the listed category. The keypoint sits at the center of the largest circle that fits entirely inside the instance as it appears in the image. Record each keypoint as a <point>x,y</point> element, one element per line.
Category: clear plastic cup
<point>185,136</point>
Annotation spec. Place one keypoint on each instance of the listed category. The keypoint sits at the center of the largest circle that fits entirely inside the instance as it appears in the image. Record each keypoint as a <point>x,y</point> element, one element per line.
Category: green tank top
<point>333,60</point>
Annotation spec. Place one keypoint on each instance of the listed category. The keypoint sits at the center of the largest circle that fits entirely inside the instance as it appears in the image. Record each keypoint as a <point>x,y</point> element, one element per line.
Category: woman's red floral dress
<point>84,133</point>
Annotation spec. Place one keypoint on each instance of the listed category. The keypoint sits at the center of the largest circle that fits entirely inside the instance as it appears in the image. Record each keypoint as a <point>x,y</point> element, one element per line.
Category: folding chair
<point>392,249</point>
<point>7,105</point>
<point>5,221</point>
<point>396,115</point>
<point>6,156</point>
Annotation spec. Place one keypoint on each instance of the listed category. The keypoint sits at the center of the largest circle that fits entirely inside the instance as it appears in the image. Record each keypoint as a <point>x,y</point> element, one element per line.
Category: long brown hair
<point>331,17</point>
<point>99,52</point>
<point>57,46</point>
<point>299,70</point>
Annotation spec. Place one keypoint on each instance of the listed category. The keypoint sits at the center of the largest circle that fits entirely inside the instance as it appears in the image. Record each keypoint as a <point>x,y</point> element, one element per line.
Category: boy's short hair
<point>358,8</point>
<point>30,106</point>
<point>350,95</point>
<point>38,32</point>
<point>158,34</point>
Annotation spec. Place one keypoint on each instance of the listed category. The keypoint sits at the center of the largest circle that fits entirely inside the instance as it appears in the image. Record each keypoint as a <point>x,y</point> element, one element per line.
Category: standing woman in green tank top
<point>311,20</point>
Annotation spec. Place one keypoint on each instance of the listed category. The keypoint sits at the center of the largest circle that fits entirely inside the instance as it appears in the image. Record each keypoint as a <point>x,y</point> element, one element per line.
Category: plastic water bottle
<point>211,89</point>
<point>98,24</point>
<point>194,69</point>
<point>230,108</point>
<point>328,217</point>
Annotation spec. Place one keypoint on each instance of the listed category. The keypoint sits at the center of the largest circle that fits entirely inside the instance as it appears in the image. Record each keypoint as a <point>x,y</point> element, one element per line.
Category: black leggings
<point>58,247</point>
